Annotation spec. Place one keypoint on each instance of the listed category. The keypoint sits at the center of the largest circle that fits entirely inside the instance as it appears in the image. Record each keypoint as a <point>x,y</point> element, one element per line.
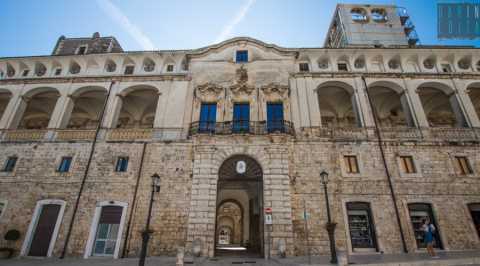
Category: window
<point>323,64</point>
<point>418,213</point>
<point>122,164</point>
<point>379,15</point>
<point>82,49</point>
<point>429,63</point>
<point>58,71</point>
<point>242,56</point>
<point>129,70</point>
<point>10,164</point>
<point>275,120</point>
<point>393,64</point>
<point>64,164</point>
<point>407,165</point>
<point>359,15</point>
<point>360,224</point>
<point>446,68</point>
<point>359,63</point>
<point>208,117</point>
<point>3,205</point>
<point>75,68</point>
<point>463,165</point>
<point>169,68</point>
<point>241,117</point>
<point>25,72</point>
<point>110,66</point>
<point>303,67</point>
<point>342,67</point>
<point>464,64</point>
<point>351,164</point>
<point>474,211</point>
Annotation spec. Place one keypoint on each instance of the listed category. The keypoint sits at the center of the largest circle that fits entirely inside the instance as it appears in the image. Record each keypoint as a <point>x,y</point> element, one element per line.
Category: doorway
<point>475,212</point>
<point>239,219</point>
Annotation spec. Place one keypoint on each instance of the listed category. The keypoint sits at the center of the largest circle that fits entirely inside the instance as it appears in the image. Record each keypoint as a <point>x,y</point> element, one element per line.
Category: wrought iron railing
<point>242,127</point>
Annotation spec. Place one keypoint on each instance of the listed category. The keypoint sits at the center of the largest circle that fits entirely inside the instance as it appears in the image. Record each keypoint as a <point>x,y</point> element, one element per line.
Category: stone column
<point>364,112</point>
<point>418,112</point>
<point>313,104</point>
<point>294,104</point>
<point>466,103</point>
<point>17,112</point>
<point>162,105</point>
<point>113,108</point>
<point>303,102</point>
<point>10,111</point>
<point>58,111</point>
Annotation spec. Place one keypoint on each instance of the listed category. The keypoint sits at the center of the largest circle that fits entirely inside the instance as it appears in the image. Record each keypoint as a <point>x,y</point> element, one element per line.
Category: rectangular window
<point>10,164</point>
<point>342,67</point>
<point>446,68</point>
<point>208,117</point>
<point>241,117</point>
<point>360,224</point>
<point>64,164</point>
<point>475,212</point>
<point>58,71</point>
<point>25,73</point>
<point>242,56</point>
<point>107,231</point>
<point>82,49</point>
<point>275,120</point>
<point>351,164</point>
<point>169,68</point>
<point>463,165</point>
<point>2,208</point>
<point>122,164</point>
<point>303,67</point>
<point>129,70</point>
<point>407,164</point>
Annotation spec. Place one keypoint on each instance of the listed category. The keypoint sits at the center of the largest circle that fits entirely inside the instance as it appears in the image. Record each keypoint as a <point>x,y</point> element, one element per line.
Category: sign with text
<point>268,219</point>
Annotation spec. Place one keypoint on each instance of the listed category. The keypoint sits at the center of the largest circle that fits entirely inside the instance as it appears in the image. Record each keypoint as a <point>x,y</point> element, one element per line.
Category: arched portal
<point>239,219</point>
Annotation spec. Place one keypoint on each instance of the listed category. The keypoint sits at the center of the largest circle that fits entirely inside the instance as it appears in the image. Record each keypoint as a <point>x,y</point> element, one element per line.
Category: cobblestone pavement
<point>420,259</point>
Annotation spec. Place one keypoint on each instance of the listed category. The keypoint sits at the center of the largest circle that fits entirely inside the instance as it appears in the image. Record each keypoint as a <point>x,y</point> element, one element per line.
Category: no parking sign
<point>268,216</point>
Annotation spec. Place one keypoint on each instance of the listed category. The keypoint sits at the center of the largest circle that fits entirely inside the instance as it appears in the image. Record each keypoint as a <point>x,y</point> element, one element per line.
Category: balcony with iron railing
<point>242,127</point>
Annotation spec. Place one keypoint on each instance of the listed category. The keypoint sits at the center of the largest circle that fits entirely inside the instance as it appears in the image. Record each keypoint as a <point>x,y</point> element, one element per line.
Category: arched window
<point>40,69</point>
<point>379,15</point>
<point>10,71</point>
<point>110,66</point>
<point>429,63</point>
<point>464,63</point>
<point>323,63</point>
<point>148,65</point>
<point>359,63</point>
<point>394,64</point>
<point>75,68</point>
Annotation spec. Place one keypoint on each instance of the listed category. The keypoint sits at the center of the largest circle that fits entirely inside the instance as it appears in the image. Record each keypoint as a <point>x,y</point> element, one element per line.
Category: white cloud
<point>228,28</point>
<point>119,17</point>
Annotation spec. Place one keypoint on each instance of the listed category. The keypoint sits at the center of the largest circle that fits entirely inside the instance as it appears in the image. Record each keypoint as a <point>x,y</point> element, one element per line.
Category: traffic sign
<point>268,219</point>
<point>268,210</point>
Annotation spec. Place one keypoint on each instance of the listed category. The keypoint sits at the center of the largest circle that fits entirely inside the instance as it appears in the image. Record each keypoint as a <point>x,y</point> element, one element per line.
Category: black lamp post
<point>147,232</point>
<point>330,225</point>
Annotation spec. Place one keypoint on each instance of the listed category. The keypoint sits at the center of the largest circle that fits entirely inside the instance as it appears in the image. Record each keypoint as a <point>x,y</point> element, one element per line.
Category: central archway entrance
<point>239,219</point>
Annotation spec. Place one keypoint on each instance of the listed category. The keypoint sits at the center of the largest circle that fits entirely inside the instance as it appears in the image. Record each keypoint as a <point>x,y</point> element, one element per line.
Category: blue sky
<point>31,27</point>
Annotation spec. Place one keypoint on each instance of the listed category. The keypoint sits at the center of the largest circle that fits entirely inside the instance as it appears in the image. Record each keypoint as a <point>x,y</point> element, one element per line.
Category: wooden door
<point>44,230</point>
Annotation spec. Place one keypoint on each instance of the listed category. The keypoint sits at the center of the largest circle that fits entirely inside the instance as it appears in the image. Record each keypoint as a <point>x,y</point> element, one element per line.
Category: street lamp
<point>330,225</point>
<point>147,232</point>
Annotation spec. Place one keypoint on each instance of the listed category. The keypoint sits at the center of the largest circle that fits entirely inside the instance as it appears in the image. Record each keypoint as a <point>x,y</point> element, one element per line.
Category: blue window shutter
<point>208,117</point>
<point>275,117</point>
<point>65,164</point>
<point>241,117</point>
<point>242,56</point>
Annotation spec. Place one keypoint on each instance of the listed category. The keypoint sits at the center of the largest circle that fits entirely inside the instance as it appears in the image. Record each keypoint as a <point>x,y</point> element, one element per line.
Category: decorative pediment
<point>209,92</point>
<point>275,90</point>
<point>242,89</point>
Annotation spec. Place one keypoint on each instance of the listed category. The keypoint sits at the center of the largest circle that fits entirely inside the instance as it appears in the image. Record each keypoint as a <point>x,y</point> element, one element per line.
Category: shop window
<point>10,164</point>
<point>122,164</point>
<point>475,212</point>
<point>208,117</point>
<point>241,117</point>
<point>407,165</point>
<point>65,163</point>
<point>351,164</point>
<point>242,56</point>
<point>419,212</point>
<point>361,227</point>
<point>463,165</point>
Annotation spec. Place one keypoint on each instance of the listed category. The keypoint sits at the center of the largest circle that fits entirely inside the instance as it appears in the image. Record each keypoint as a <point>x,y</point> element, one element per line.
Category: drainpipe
<point>389,177</point>
<point>139,174</point>
<point>85,174</point>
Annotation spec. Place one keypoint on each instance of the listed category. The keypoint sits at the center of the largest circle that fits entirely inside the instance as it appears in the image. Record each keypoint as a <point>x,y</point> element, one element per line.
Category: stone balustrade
<point>130,134</point>
<point>76,134</point>
<point>25,135</point>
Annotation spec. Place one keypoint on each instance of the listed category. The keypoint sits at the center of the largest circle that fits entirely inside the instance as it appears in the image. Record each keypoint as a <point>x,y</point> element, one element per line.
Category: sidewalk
<point>414,259</point>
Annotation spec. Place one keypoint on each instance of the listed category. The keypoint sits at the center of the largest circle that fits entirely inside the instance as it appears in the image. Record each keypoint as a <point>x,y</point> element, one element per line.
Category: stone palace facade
<point>233,129</point>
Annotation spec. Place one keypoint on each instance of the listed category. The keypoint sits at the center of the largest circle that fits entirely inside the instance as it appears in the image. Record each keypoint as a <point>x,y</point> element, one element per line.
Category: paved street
<point>420,259</point>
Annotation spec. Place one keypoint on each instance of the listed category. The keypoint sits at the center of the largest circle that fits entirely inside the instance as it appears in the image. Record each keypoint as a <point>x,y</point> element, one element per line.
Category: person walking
<point>429,230</point>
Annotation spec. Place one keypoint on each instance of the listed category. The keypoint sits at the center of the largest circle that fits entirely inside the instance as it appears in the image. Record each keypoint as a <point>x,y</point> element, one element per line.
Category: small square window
<point>129,70</point>
<point>10,164</point>
<point>25,73</point>
<point>303,67</point>
<point>242,56</point>
<point>169,68</point>
<point>82,49</point>
<point>65,164</point>
<point>351,164</point>
<point>446,68</point>
<point>58,71</point>
<point>342,67</point>
<point>122,164</point>
<point>463,165</point>
<point>407,164</point>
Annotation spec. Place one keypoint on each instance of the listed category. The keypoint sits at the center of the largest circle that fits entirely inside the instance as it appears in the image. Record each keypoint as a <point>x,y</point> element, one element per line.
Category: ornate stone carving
<point>242,89</point>
<point>208,92</point>
<point>242,75</point>
<point>275,91</point>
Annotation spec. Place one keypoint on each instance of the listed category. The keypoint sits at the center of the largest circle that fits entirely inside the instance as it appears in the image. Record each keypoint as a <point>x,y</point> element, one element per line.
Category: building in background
<point>238,127</point>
